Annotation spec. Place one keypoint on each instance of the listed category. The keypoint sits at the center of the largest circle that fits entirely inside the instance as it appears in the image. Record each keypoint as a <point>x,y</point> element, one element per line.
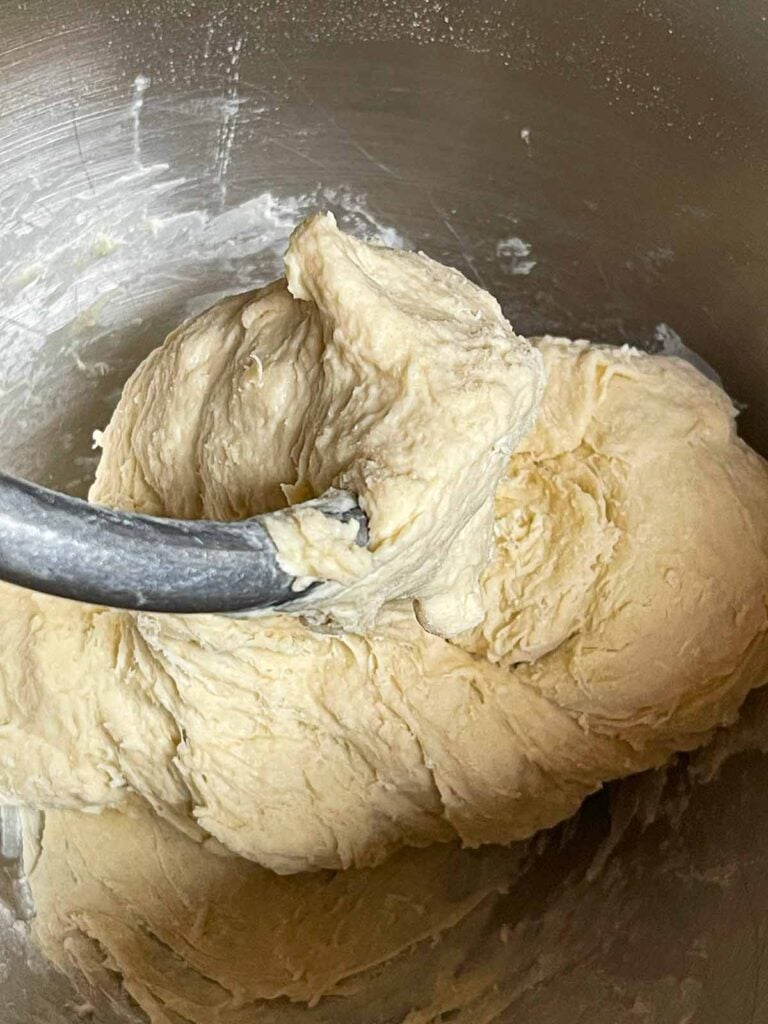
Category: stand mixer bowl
<point>598,166</point>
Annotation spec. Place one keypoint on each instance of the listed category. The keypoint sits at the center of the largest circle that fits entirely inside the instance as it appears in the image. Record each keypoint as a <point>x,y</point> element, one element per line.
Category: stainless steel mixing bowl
<point>597,164</point>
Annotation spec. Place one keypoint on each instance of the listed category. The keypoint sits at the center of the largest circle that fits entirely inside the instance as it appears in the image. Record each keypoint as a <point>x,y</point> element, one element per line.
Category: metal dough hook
<point>61,545</point>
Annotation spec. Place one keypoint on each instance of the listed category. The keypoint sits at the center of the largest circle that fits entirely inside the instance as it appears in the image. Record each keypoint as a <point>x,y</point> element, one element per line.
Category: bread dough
<point>368,369</point>
<point>625,617</point>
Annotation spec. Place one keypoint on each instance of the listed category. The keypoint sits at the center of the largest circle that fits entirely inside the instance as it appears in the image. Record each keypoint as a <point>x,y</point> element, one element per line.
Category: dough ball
<point>625,617</point>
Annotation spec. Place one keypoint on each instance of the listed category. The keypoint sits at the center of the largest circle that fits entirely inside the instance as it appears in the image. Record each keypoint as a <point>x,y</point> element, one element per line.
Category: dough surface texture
<point>625,619</point>
<point>367,369</point>
<point>196,936</point>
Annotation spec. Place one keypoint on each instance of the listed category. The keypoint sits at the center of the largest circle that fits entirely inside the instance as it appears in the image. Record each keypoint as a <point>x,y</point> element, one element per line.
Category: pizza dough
<point>624,617</point>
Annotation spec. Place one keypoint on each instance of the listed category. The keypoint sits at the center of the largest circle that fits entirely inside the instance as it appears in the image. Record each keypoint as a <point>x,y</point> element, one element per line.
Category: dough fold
<point>370,370</point>
<point>199,937</point>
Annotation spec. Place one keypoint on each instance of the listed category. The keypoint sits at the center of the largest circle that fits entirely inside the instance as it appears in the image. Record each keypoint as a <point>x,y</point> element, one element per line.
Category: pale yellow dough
<point>203,938</point>
<point>625,615</point>
<point>625,618</point>
<point>368,369</point>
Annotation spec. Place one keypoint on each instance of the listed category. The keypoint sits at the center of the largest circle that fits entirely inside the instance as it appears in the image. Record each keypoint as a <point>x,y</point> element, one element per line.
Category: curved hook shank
<point>62,545</point>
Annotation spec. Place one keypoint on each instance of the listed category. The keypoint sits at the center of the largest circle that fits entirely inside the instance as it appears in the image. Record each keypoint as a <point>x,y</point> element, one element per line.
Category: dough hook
<point>62,545</point>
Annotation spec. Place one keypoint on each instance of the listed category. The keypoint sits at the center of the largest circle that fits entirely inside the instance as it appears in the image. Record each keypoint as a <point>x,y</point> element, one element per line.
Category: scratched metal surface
<point>598,165</point>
